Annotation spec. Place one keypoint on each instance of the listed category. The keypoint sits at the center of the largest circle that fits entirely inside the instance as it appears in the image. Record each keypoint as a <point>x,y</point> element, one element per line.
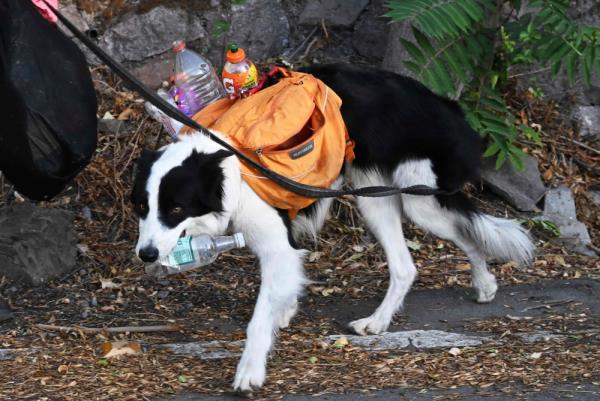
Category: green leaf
<point>500,160</point>
<point>414,51</point>
<point>492,150</point>
<point>454,63</point>
<point>220,28</point>
<point>182,379</point>
<point>516,161</point>
<point>589,55</point>
<point>423,42</point>
<point>531,134</point>
<point>102,362</point>
<point>571,66</point>
<point>413,67</point>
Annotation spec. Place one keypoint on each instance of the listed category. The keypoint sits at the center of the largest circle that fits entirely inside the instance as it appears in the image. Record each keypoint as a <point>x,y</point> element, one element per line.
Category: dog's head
<point>186,187</point>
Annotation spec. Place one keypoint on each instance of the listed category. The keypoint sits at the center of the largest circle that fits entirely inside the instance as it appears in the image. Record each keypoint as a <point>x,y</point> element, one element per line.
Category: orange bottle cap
<point>235,54</point>
<point>178,46</point>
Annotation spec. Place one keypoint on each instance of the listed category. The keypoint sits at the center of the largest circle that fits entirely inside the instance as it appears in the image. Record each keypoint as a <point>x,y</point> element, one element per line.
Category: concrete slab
<point>587,392</point>
<point>451,308</point>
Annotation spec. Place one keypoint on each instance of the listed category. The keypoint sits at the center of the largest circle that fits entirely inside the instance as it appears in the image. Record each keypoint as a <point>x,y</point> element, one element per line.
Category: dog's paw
<point>249,374</point>
<point>486,289</point>
<point>369,325</point>
<point>287,315</point>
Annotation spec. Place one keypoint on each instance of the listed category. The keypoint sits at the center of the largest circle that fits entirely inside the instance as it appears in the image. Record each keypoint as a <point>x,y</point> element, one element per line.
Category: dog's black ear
<point>148,156</point>
<point>210,159</point>
<point>141,172</point>
<point>212,177</point>
<point>145,161</point>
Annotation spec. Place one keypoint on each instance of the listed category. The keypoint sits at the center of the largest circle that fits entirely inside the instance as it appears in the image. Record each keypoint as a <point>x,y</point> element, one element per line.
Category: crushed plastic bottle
<point>171,125</point>
<point>239,73</point>
<point>193,252</point>
<point>196,83</point>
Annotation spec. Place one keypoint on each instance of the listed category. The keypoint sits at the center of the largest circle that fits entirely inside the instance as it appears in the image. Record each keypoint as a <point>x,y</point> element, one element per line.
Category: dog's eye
<point>175,210</point>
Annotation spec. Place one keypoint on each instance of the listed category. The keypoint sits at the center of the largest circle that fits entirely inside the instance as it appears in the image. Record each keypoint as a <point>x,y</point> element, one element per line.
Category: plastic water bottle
<point>193,252</point>
<point>239,73</point>
<point>196,82</point>
<point>171,125</point>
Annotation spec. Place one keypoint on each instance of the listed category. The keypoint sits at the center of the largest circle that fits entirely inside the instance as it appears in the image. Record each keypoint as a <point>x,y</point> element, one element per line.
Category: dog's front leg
<point>282,280</point>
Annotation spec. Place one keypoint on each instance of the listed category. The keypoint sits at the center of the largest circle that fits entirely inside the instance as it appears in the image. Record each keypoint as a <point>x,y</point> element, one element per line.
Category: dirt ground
<point>109,289</point>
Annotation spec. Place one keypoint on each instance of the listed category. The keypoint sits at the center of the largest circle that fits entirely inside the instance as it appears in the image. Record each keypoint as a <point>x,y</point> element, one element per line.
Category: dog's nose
<point>148,254</point>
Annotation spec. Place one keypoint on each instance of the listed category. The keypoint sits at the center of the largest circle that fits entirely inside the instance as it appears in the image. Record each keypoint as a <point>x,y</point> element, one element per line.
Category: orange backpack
<point>294,128</point>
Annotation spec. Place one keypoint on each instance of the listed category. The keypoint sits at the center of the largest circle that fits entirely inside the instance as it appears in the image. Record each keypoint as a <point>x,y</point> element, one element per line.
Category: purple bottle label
<point>184,102</point>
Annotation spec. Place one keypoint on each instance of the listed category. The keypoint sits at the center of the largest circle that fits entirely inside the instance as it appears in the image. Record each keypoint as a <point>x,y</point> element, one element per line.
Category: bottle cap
<point>235,54</point>
<point>178,46</point>
<point>239,240</point>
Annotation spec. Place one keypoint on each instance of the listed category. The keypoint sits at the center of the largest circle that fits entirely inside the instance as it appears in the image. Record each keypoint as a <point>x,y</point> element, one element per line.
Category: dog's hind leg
<point>454,218</point>
<point>282,281</point>
<point>383,218</point>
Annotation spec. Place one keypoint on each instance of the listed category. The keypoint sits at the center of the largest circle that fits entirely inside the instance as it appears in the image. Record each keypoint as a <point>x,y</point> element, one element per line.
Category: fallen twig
<point>583,145</point>
<point>126,329</point>
<point>549,304</point>
<point>310,35</point>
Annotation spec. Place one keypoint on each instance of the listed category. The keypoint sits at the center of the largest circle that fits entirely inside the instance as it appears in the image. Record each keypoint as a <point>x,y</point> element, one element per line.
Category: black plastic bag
<point>47,103</point>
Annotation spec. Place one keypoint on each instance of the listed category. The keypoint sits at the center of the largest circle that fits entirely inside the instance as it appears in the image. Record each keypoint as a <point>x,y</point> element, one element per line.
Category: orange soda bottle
<point>239,73</point>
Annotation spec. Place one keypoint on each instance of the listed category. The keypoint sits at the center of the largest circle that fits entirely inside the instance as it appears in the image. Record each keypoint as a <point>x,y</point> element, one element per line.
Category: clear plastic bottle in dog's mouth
<point>193,252</point>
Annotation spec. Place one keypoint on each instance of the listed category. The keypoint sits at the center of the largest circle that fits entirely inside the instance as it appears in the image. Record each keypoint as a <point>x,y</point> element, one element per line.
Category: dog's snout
<point>148,254</point>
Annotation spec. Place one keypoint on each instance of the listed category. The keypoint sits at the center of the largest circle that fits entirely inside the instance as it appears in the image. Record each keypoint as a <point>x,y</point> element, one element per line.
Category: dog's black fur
<point>393,118</point>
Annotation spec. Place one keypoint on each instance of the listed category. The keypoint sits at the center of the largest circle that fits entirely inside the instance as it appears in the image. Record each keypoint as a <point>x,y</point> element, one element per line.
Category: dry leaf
<point>341,342</point>
<point>108,283</point>
<point>314,256</point>
<point>113,349</point>
<point>125,114</point>
<point>414,245</point>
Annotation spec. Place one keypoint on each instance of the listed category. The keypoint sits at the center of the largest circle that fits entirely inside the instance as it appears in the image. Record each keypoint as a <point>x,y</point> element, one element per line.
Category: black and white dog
<point>405,135</point>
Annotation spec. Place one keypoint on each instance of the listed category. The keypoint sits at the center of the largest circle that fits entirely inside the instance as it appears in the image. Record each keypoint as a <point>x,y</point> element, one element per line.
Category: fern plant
<point>465,49</point>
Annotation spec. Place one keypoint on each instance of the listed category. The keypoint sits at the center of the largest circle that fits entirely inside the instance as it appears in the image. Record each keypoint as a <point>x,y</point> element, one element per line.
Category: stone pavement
<point>436,318</point>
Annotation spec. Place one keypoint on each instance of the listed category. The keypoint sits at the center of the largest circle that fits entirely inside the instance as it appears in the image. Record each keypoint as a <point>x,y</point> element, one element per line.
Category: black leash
<point>284,182</point>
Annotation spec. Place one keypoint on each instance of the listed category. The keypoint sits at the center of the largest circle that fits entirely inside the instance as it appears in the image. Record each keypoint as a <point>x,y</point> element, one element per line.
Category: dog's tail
<point>501,239</point>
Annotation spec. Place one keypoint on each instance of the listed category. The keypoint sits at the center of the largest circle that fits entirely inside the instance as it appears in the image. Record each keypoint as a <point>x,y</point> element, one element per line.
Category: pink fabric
<point>45,10</point>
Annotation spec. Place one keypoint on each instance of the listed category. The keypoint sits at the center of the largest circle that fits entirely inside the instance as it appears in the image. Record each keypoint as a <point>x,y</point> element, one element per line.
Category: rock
<point>79,19</point>
<point>522,189</point>
<point>559,207</point>
<point>206,349</point>
<point>5,313</point>
<point>114,126</point>
<point>587,119</point>
<point>420,339</point>
<point>371,31</point>
<point>153,71</point>
<point>395,53</point>
<point>538,337</point>
<point>337,13</point>
<point>596,197</point>
<point>259,26</point>
<point>36,244</point>
<point>135,37</point>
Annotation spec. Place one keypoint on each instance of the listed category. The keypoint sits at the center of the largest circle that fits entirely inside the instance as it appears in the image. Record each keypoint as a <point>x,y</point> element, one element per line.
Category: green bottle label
<point>182,254</point>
